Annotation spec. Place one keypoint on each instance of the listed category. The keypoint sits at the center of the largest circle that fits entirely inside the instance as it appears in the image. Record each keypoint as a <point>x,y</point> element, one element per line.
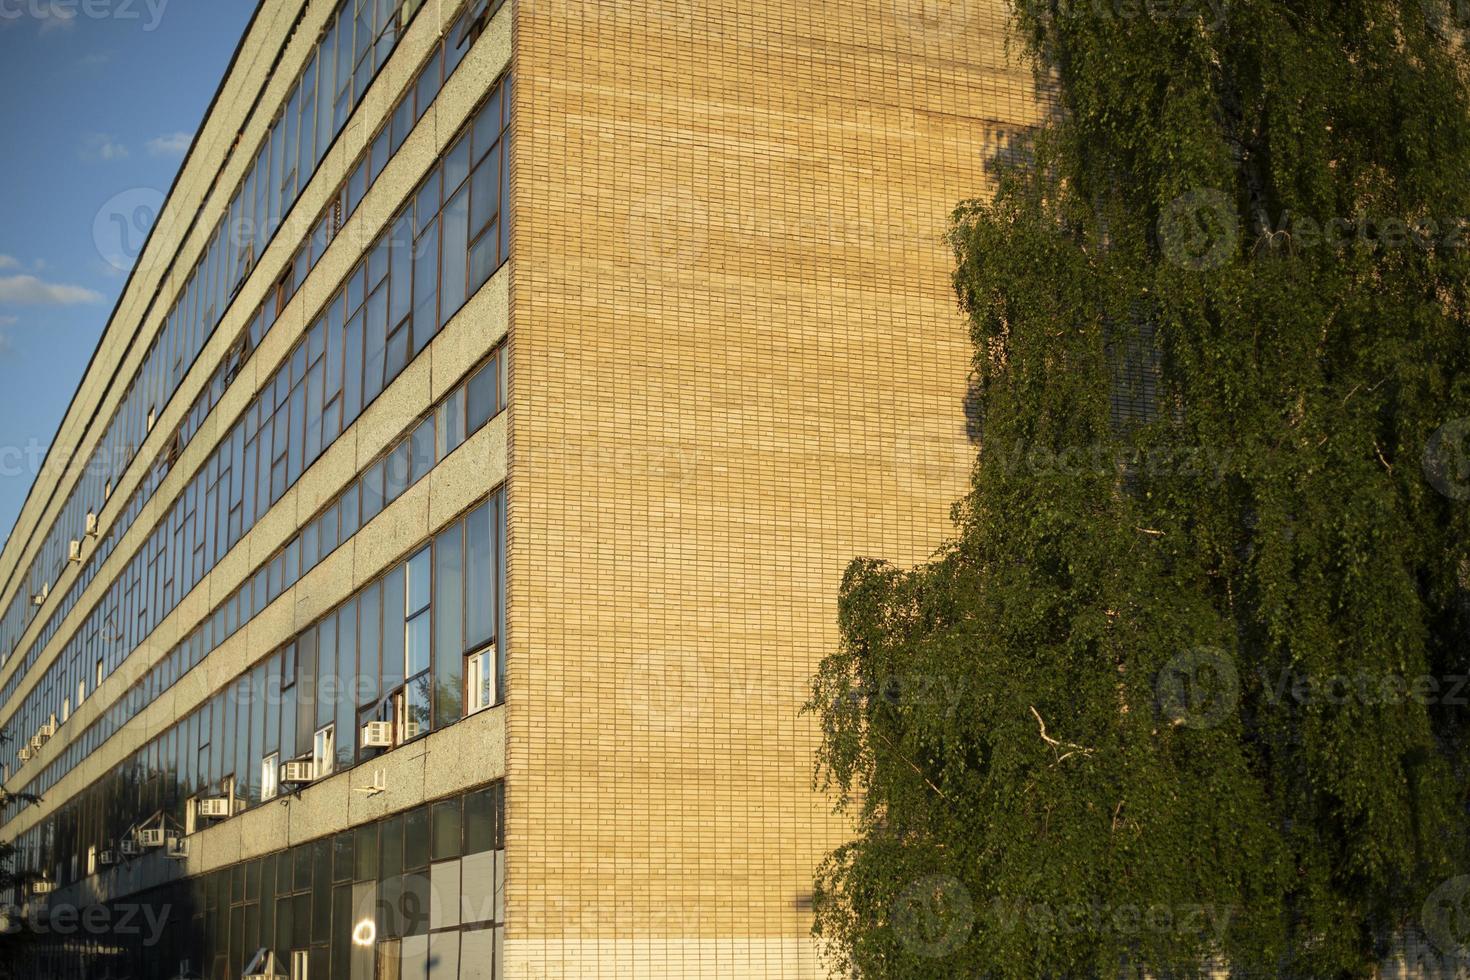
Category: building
<point>461,488</point>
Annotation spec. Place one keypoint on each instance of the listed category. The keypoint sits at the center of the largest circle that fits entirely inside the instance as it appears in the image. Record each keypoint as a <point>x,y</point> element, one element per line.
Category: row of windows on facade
<point>360,37</point>
<point>440,249</point>
<point>417,895</point>
<point>113,454</point>
<point>412,106</point>
<point>412,652</point>
<point>461,413</point>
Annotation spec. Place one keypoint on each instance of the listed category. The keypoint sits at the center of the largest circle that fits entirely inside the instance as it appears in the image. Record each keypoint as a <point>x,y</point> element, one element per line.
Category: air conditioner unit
<point>24,753</point>
<point>297,772</point>
<point>42,887</point>
<point>74,551</point>
<point>91,528</point>
<point>106,857</point>
<point>130,848</point>
<point>377,735</point>
<point>177,848</point>
<point>40,597</point>
<point>37,741</point>
<point>49,729</point>
<point>215,806</point>
<point>152,837</point>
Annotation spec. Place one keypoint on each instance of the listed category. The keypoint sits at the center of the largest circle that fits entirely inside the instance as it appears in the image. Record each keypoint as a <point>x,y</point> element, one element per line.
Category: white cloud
<point>36,292</point>
<point>170,144</point>
<point>9,262</point>
<point>100,146</point>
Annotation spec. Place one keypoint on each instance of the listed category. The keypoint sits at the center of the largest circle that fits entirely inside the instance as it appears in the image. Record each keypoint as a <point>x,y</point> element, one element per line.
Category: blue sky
<point>104,98</point>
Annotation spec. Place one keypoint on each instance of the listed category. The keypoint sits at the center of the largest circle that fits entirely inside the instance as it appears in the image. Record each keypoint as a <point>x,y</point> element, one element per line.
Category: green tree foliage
<point>1184,688</point>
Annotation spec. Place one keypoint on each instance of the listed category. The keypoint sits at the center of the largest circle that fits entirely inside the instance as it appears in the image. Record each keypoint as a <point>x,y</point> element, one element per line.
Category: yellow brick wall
<point>738,364</point>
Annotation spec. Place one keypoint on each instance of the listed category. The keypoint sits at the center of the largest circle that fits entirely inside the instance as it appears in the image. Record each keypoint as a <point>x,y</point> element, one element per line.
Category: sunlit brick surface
<point>738,364</point>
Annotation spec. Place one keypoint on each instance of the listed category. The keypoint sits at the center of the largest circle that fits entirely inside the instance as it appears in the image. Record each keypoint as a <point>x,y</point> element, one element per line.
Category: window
<point>92,860</point>
<point>480,680</point>
<point>299,960</point>
<point>413,703</point>
<point>448,630</point>
<point>269,773</point>
<point>324,751</point>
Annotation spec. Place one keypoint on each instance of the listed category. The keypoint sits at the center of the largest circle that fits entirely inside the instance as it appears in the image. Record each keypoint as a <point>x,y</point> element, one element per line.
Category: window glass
<point>390,847</point>
<point>396,472</point>
<point>484,194</point>
<point>487,124</point>
<point>479,584</point>
<point>456,244</point>
<point>395,357</point>
<point>457,165</point>
<point>448,626</point>
<point>342,860</point>
<point>480,821</point>
<point>344,697</point>
<point>421,450</point>
<point>416,839</point>
<point>428,83</point>
<point>417,707</point>
<point>418,581</point>
<point>451,422</point>
<point>446,829</point>
<point>484,259</point>
<point>400,268</point>
<point>426,287</point>
<point>326,673</point>
<point>352,371</point>
<point>393,628</point>
<point>482,397</point>
<point>321,887</point>
<point>369,635</point>
<point>365,853</point>
<point>416,645</point>
<point>372,491</point>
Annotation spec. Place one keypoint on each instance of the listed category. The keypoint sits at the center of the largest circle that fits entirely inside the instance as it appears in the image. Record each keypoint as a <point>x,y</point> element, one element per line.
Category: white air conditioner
<point>42,887</point>
<point>106,857</point>
<point>377,735</point>
<point>49,729</point>
<point>153,837</point>
<point>297,772</point>
<point>214,806</point>
<point>129,848</point>
<point>37,740</point>
<point>91,528</point>
<point>25,753</point>
<point>39,598</point>
<point>177,847</point>
<point>74,551</point>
